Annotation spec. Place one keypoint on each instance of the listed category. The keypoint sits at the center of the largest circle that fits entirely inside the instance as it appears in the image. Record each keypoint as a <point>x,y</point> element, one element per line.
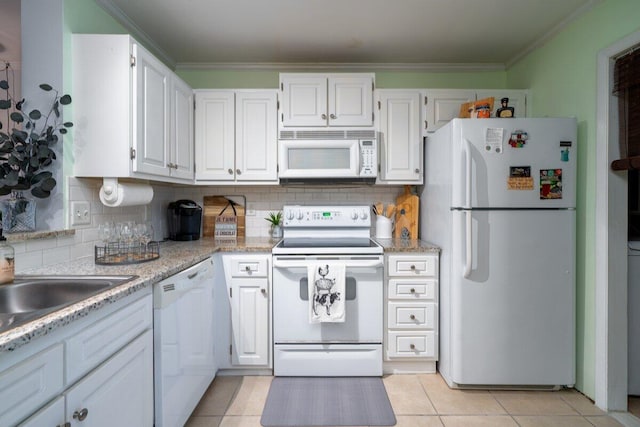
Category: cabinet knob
<point>412,346</point>
<point>230,171</point>
<point>238,172</point>
<point>413,267</point>
<point>333,116</point>
<point>81,414</point>
<point>263,291</point>
<point>324,116</point>
<point>412,290</point>
<point>412,317</point>
<point>417,170</point>
<point>247,269</point>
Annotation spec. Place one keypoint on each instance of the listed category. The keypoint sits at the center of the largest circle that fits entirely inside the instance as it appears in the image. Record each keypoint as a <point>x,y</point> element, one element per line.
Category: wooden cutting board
<point>220,205</point>
<point>407,215</point>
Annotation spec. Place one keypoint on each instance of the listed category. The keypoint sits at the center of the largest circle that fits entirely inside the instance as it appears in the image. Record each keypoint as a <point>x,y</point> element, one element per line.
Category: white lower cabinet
<point>248,281</point>
<point>97,371</point>
<point>411,312</point>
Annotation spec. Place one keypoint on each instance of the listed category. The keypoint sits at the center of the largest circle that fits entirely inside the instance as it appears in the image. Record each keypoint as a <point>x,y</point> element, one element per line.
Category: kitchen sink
<point>30,297</point>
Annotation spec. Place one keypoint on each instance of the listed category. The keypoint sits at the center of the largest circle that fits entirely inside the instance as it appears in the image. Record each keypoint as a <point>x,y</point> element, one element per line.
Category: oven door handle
<point>289,263</point>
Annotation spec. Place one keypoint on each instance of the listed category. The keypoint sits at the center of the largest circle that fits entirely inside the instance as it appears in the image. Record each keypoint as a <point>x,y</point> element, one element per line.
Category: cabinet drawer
<point>412,315</point>
<point>249,267</point>
<point>411,344</point>
<point>412,265</point>
<point>99,341</point>
<point>414,289</point>
<point>28,385</point>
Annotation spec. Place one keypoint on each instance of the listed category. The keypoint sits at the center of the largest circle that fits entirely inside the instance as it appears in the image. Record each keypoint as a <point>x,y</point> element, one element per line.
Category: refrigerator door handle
<point>467,173</point>
<point>468,245</point>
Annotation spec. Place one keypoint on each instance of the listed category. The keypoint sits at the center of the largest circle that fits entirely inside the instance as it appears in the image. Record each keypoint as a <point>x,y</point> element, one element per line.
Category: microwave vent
<point>327,134</point>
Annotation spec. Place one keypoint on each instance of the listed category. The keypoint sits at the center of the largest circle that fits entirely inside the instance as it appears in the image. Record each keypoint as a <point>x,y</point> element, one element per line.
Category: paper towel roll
<point>115,194</point>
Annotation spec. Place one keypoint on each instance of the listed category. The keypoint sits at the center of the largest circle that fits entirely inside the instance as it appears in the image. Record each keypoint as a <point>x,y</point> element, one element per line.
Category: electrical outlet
<point>80,213</point>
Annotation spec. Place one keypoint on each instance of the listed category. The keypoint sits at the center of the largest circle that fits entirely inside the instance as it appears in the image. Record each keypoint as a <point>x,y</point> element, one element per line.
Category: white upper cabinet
<point>236,136</point>
<point>320,100</point>
<point>133,117</point>
<point>442,105</point>
<point>400,139</point>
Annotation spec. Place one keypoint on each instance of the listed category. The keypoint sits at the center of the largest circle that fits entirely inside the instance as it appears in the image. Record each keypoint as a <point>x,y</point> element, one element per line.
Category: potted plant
<point>276,221</point>
<point>26,153</point>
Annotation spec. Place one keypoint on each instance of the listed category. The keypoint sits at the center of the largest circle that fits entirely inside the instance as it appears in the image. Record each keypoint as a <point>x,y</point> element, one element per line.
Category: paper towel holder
<point>114,194</point>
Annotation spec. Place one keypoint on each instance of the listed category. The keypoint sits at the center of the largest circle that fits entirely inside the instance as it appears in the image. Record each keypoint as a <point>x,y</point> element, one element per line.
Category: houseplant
<point>276,220</point>
<point>26,153</point>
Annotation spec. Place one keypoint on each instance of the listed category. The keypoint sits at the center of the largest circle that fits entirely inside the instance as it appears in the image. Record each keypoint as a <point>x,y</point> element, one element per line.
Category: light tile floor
<point>418,401</point>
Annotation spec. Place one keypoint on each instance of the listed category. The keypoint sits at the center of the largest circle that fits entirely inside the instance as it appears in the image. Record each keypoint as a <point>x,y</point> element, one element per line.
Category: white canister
<point>383,227</point>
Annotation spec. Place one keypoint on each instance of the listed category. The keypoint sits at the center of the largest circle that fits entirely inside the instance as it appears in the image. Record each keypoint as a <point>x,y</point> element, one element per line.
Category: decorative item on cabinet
<point>407,215</point>
<point>505,111</point>
<point>221,212</point>
<point>276,224</point>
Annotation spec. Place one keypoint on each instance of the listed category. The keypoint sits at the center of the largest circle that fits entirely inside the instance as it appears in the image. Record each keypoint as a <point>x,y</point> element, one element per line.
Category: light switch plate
<point>80,213</point>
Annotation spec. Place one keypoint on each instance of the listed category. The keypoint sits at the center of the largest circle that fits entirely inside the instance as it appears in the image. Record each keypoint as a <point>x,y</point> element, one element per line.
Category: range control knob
<point>289,215</point>
<point>364,214</point>
<point>299,215</point>
<point>354,215</point>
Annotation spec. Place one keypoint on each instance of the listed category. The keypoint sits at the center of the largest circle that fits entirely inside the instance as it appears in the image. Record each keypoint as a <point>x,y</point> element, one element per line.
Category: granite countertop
<point>174,257</point>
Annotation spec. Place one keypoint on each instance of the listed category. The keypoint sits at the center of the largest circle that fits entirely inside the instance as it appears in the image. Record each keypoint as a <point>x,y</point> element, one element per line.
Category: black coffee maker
<point>184,218</point>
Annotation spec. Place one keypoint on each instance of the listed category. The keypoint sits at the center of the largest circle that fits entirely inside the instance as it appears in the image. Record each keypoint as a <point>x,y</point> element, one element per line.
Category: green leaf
<point>4,84</point>
<point>46,87</point>
<point>5,190</point>
<point>67,125</point>
<point>48,184</point>
<point>41,176</point>
<point>17,117</point>
<point>5,104</point>
<point>65,100</point>
<point>40,193</point>
<point>63,131</point>
<point>35,115</point>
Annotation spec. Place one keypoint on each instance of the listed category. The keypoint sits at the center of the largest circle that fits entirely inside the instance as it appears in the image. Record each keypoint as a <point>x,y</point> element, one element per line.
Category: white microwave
<point>328,160</point>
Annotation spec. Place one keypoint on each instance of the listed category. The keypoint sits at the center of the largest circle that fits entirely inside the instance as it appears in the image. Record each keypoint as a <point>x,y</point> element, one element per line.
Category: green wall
<point>561,76</point>
<point>252,79</point>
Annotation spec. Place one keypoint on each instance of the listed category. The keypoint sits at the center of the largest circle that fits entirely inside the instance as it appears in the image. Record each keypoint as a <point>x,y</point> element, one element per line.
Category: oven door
<point>363,305</point>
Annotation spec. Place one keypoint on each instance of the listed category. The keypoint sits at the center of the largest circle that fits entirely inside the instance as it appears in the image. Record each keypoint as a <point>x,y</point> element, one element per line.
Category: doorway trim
<point>611,242</point>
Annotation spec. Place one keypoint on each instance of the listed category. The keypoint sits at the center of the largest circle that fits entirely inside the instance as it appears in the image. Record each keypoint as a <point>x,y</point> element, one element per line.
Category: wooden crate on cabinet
<point>411,318</point>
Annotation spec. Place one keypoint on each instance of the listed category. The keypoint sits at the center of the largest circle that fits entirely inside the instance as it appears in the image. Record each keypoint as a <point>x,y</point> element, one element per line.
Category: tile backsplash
<point>260,201</point>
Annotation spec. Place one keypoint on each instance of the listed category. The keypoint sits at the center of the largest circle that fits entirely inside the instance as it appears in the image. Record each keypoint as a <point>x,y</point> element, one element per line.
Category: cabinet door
<point>256,136</point>
<point>517,100</point>
<point>151,126</point>
<point>304,100</point>
<point>250,321</point>
<point>442,105</point>
<point>51,415</point>
<point>215,135</point>
<point>182,143</point>
<point>119,392</point>
<point>350,101</point>
<point>400,139</point>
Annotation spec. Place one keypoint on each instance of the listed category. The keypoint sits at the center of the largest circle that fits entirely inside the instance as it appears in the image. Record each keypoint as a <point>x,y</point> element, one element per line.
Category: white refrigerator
<point>499,199</point>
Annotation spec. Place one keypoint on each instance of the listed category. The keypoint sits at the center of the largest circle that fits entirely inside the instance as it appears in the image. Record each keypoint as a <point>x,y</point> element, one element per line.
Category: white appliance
<point>184,363</point>
<point>633,307</point>
<point>305,160</point>
<point>499,199</point>
<point>318,235</point>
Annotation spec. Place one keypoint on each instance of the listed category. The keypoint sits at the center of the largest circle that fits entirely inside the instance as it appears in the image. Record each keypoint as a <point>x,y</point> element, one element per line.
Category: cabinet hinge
<point>379,168</point>
<point>282,86</point>
<point>379,105</point>
<point>282,117</point>
<point>132,153</point>
<point>230,349</point>
<point>132,61</point>
<point>426,99</point>
<point>373,86</point>
<point>277,168</point>
<point>230,292</point>
<point>278,105</point>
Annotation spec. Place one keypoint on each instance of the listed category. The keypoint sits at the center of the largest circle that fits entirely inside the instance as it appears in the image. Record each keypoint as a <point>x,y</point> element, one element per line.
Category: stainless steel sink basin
<point>30,297</point>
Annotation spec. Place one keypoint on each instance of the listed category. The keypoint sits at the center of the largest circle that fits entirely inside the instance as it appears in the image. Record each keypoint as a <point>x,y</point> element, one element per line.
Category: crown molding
<point>279,66</point>
<point>135,31</point>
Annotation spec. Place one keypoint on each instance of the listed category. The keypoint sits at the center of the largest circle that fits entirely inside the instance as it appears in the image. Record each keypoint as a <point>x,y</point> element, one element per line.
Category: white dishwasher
<point>184,363</point>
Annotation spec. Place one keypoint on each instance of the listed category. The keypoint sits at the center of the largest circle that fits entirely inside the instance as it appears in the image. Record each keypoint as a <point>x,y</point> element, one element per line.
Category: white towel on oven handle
<point>327,297</point>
